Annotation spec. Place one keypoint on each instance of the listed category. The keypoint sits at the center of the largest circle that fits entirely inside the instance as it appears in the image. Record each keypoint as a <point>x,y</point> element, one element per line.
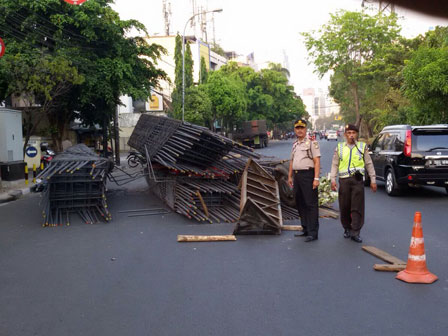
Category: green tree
<point>203,72</point>
<point>268,94</point>
<point>426,84</point>
<point>41,81</point>
<point>228,100</point>
<point>348,42</point>
<point>198,106</point>
<point>90,38</point>
<point>176,95</point>
<point>426,79</point>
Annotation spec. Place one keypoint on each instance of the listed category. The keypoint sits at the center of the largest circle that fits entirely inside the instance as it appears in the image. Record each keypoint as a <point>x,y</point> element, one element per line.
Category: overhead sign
<point>2,47</point>
<point>75,2</point>
<point>31,151</point>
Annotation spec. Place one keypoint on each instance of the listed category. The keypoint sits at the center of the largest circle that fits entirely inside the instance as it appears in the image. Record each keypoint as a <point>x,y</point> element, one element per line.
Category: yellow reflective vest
<point>351,159</point>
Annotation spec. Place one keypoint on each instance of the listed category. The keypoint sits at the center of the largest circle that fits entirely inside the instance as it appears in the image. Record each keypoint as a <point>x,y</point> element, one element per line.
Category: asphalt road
<point>131,277</point>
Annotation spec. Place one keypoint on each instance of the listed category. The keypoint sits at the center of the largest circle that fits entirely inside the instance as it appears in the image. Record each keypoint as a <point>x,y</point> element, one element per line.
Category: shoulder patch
<point>316,144</point>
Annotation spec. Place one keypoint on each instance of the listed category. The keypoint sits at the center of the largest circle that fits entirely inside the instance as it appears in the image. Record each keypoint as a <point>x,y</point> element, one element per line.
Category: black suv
<point>406,155</point>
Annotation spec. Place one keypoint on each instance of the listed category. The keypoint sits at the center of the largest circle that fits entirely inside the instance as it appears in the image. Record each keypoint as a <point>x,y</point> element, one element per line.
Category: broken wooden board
<point>389,267</point>
<point>383,255</point>
<point>253,220</point>
<point>326,212</point>
<point>260,208</point>
<point>189,238</point>
<point>292,228</point>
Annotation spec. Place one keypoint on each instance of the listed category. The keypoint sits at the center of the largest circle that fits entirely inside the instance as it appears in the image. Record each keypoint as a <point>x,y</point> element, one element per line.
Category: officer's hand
<point>315,184</point>
<point>373,187</point>
<point>334,186</point>
<point>290,183</point>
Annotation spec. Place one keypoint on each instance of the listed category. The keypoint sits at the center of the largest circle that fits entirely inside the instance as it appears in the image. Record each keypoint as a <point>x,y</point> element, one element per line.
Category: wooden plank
<point>279,205</point>
<point>292,228</point>
<point>243,193</point>
<point>389,268</point>
<point>328,213</point>
<point>383,255</point>
<point>204,206</point>
<point>263,198</point>
<point>188,238</point>
<point>263,181</point>
<point>264,191</point>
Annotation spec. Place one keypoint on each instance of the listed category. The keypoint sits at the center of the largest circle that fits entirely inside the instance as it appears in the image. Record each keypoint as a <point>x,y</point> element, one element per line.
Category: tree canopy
<point>346,45</point>
<point>93,42</point>
<point>379,77</point>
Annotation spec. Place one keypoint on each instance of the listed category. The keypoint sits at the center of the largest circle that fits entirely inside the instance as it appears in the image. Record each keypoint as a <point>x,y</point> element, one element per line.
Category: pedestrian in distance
<point>351,160</point>
<point>303,176</point>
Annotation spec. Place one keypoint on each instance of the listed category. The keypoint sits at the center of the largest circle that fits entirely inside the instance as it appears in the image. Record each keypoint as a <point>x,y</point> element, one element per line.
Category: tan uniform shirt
<point>303,152</point>
<point>368,165</point>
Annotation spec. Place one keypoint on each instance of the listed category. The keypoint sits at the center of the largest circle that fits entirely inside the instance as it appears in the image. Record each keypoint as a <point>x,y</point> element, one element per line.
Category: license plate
<point>440,162</point>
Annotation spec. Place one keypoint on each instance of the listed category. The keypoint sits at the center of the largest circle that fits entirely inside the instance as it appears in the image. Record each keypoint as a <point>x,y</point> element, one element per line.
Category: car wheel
<point>392,188</point>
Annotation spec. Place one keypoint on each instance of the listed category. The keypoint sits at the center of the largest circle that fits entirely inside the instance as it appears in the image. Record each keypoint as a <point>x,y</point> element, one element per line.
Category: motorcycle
<point>135,158</point>
<point>47,154</point>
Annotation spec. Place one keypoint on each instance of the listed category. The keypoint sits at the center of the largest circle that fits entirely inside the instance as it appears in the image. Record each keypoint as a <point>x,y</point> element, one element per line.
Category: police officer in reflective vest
<point>304,169</point>
<point>351,159</point>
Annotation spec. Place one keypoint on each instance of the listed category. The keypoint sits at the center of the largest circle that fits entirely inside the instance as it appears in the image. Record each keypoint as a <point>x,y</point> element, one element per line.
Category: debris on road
<point>75,182</point>
<point>189,238</point>
<point>260,212</point>
<point>196,172</point>
<point>292,228</point>
<point>395,264</point>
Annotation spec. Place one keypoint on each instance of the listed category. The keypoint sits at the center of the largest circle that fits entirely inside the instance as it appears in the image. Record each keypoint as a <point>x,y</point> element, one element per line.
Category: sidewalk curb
<point>14,194</point>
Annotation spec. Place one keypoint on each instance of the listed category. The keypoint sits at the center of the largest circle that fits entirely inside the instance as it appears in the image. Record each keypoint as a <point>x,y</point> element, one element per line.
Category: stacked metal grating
<point>187,148</point>
<point>75,182</point>
<point>195,171</point>
<point>207,200</point>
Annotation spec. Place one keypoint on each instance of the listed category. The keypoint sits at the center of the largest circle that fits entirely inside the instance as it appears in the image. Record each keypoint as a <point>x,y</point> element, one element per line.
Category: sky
<point>267,28</point>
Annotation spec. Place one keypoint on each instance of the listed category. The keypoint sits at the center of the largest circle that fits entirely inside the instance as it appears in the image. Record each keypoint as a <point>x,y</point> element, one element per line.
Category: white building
<point>320,104</point>
<point>130,110</point>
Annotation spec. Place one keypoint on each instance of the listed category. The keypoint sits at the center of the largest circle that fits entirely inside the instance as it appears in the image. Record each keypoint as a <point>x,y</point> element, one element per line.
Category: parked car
<point>405,155</point>
<point>332,135</point>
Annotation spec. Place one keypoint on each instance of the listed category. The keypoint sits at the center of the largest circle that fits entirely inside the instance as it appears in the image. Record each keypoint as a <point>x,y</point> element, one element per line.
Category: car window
<point>376,145</point>
<point>424,141</point>
<point>399,143</point>
<point>389,142</point>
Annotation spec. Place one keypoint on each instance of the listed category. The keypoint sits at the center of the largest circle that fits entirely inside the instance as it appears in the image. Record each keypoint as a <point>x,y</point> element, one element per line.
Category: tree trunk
<point>105,123</point>
<point>356,99</point>
<point>29,130</point>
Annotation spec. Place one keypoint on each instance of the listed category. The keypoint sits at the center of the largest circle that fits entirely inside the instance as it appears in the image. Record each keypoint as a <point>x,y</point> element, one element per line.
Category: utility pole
<point>214,33</point>
<point>383,6</point>
<point>117,137</point>
<point>167,16</point>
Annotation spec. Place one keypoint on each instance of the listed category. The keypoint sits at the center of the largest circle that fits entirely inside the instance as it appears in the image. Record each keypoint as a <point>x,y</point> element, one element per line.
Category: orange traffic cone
<point>416,271</point>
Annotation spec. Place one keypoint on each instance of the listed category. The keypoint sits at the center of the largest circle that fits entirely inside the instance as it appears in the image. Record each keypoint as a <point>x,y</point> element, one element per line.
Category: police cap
<point>351,127</point>
<point>300,123</point>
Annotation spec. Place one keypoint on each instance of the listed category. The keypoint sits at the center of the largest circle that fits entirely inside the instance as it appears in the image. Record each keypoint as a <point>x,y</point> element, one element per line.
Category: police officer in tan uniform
<point>304,169</point>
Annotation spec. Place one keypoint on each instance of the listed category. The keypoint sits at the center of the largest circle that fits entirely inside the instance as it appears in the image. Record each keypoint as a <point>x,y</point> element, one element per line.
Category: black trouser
<point>307,201</point>
<point>351,204</point>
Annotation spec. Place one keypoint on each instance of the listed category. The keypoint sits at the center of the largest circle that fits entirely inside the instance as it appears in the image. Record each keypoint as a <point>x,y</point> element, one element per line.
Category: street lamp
<point>183,56</point>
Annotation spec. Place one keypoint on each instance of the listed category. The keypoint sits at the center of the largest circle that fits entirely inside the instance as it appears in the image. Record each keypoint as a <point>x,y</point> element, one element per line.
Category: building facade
<point>130,110</point>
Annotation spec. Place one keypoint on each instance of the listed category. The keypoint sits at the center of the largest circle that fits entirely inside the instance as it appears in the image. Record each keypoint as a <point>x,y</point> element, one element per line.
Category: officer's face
<point>351,136</point>
<point>300,132</point>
